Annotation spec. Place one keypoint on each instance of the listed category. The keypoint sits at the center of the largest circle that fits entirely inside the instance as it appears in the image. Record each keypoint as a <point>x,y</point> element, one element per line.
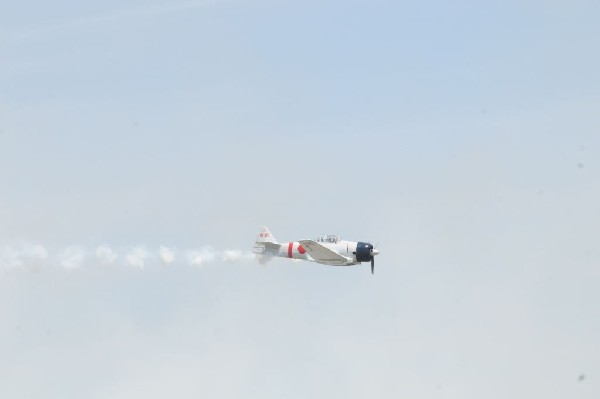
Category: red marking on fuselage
<point>301,249</point>
<point>290,246</point>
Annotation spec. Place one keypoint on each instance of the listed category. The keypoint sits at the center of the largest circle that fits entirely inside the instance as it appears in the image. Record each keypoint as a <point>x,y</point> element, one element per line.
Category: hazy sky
<point>463,138</point>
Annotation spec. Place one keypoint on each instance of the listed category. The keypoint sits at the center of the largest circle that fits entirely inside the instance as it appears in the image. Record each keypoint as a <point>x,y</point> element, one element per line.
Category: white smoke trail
<point>166,255</point>
<point>106,256</point>
<point>39,253</point>
<point>27,255</point>
<point>34,257</point>
<point>9,258</point>
<point>135,257</point>
<point>200,257</point>
<point>235,255</point>
<point>71,257</point>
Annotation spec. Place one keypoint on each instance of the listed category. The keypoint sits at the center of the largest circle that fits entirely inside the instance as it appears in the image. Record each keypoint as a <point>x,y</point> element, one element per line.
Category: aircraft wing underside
<point>323,254</point>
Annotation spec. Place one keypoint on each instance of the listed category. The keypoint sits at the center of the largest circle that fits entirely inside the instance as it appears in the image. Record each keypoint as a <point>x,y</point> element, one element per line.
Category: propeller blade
<point>372,265</point>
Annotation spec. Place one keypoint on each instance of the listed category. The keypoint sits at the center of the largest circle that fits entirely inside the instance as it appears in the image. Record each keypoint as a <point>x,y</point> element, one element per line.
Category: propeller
<point>373,253</point>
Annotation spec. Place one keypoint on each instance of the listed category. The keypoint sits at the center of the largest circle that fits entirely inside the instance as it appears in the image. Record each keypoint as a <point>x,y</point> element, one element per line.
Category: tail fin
<point>265,236</point>
<point>265,245</point>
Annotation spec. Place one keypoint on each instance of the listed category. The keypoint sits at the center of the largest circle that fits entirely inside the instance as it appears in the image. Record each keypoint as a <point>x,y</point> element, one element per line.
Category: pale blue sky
<point>462,137</point>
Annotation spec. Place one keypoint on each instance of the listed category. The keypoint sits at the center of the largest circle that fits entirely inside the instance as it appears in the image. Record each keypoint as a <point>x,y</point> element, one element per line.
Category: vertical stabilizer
<point>266,245</point>
<point>265,236</point>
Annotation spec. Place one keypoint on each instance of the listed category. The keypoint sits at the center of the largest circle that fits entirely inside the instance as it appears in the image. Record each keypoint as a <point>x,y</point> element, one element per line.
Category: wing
<point>323,254</point>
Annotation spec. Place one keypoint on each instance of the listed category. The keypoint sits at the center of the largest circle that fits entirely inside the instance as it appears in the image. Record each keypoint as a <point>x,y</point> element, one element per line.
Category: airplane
<point>328,250</point>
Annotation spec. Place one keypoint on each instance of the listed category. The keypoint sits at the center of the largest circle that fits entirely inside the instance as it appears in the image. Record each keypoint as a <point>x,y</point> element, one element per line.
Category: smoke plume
<point>36,258</point>
<point>136,257</point>
<point>166,255</point>
<point>201,257</point>
<point>106,256</point>
<point>235,255</point>
<point>71,258</point>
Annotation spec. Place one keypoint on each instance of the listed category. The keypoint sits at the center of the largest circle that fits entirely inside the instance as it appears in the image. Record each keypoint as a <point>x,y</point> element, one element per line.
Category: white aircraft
<point>329,250</point>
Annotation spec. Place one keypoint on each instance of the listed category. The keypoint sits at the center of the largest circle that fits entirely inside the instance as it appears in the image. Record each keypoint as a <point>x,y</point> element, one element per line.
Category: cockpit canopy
<point>333,239</point>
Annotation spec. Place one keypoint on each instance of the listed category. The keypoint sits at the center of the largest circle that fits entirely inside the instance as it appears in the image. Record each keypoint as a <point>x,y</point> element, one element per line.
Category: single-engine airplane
<point>328,250</point>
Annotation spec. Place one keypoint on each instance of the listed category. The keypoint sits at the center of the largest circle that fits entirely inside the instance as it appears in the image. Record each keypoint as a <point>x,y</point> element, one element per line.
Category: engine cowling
<point>364,252</point>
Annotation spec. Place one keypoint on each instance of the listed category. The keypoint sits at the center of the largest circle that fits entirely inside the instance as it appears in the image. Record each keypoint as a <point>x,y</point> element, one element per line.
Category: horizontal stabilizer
<point>266,248</point>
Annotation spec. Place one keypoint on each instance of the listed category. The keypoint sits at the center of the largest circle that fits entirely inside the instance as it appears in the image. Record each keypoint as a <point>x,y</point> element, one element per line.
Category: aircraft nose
<point>375,252</point>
